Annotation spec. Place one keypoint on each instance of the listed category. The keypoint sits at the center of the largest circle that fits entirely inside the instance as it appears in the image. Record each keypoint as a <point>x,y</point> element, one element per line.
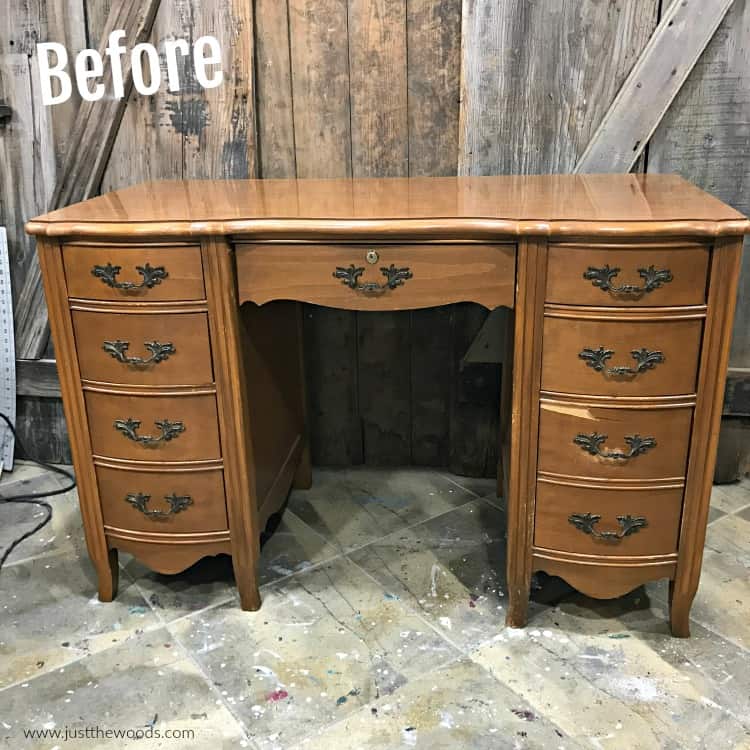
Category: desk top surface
<point>562,205</point>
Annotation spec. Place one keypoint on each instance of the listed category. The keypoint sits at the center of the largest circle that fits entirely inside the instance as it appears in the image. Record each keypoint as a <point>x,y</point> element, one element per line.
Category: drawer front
<point>110,272</point>
<point>377,277</point>
<point>143,349</point>
<point>572,442</point>
<point>183,502</point>
<point>566,520</point>
<point>605,358</point>
<point>627,275</point>
<point>123,426</point>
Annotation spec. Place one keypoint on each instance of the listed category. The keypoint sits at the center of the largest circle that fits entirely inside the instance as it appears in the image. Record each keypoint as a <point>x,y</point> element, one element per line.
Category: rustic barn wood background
<point>332,88</point>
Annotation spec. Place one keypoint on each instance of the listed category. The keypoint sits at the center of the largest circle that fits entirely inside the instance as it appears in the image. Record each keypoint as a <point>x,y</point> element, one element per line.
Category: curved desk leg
<point>531,277</point>
<point>234,417</point>
<point>717,337</point>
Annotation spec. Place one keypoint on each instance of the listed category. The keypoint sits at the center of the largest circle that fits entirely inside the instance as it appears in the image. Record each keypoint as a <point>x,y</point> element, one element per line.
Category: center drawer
<point>153,428</point>
<point>377,276</point>
<point>579,440</point>
<point>141,348</point>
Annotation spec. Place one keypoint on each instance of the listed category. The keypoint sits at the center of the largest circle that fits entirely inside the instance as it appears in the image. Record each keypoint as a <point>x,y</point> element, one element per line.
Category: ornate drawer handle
<point>586,522</point>
<point>653,279</point>
<point>169,431</point>
<point>645,360</point>
<point>593,444</point>
<point>177,503</point>
<point>350,277</point>
<point>159,352</point>
<point>151,276</point>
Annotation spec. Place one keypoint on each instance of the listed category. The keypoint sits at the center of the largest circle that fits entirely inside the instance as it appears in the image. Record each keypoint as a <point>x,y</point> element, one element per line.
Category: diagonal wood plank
<point>87,152</point>
<point>683,33</point>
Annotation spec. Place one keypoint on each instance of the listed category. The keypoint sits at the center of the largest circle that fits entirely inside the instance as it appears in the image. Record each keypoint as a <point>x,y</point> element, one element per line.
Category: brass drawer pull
<point>593,444</point>
<point>350,277</point>
<point>645,360</point>
<point>586,522</point>
<point>177,503</point>
<point>169,431</point>
<point>159,352</point>
<point>653,279</point>
<point>151,276</point>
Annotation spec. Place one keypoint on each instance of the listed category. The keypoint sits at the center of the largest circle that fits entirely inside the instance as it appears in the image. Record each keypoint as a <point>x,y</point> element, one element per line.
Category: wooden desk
<point>174,308</point>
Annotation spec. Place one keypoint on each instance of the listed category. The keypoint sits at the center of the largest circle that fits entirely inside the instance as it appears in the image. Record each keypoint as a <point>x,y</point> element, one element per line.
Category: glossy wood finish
<point>182,263</point>
<point>440,274</point>
<point>568,263</point>
<point>188,364</point>
<point>561,421</point>
<point>661,507</point>
<point>197,413</point>
<point>565,339</point>
<point>492,240</point>
<point>633,205</point>
<point>205,487</point>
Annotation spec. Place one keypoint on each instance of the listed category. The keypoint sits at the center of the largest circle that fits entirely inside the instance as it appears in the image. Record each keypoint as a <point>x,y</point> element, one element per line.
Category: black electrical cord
<point>35,497</point>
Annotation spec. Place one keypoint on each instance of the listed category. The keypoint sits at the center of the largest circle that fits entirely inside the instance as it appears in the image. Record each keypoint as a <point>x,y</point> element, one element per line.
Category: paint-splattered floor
<point>382,627</point>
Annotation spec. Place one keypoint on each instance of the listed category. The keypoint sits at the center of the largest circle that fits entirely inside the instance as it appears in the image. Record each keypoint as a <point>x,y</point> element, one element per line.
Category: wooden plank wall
<point>330,88</point>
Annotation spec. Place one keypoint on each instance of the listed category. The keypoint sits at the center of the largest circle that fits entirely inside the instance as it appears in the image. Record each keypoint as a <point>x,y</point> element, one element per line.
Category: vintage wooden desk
<point>174,308</point>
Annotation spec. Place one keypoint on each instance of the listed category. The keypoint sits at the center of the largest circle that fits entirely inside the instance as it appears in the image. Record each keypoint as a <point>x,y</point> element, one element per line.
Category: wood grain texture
<point>104,560</point>
<point>706,129</point>
<point>684,31</point>
<point>199,440</point>
<point>524,428</point>
<point>560,422</point>
<point>182,264</point>
<point>568,263</point>
<point>97,123</point>
<point>601,579</point>
<point>555,503</point>
<point>207,511</point>
<point>318,32</point>
<point>149,143</point>
<point>37,377</point>
<point>538,78</point>
<point>32,143</point>
<point>433,69</point>
<point>440,274</point>
<point>725,269</point>
<point>275,105</point>
<point>378,85</point>
<point>219,123</point>
<point>189,363</point>
<point>234,419</point>
<point>563,369</point>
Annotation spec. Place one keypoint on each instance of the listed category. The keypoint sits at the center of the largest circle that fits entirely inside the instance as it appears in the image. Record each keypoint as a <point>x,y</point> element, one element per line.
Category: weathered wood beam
<point>737,394</point>
<point>683,33</point>
<point>37,377</point>
<point>87,152</point>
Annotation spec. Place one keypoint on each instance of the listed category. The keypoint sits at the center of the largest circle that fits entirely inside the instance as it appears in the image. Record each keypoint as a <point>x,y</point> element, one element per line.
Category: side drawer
<point>578,440</point>
<point>111,272</point>
<point>177,501</point>
<point>566,519</point>
<point>140,348</point>
<point>125,426</point>
<point>627,275</point>
<point>356,277</point>
<point>612,358</point>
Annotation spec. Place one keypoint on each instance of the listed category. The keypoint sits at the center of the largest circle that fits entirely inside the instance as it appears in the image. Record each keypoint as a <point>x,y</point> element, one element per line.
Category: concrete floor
<point>382,627</point>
